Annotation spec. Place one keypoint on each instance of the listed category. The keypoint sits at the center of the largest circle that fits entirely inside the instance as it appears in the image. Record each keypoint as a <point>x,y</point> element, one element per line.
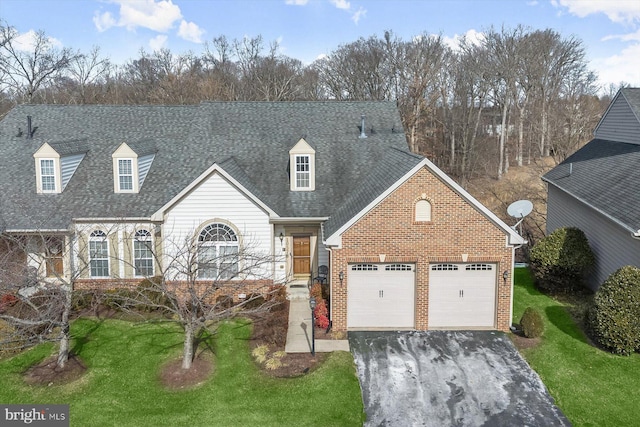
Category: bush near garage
<point>614,317</point>
<point>531,323</point>
<point>561,260</point>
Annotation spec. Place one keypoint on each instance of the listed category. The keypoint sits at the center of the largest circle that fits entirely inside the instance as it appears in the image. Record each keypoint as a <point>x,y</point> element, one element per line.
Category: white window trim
<point>300,175</point>
<point>132,175</point>
<point>41,176</point>
<point>300,150</point>
<point>149,240</point>
<point>104,239</point>
<point>218,245</point>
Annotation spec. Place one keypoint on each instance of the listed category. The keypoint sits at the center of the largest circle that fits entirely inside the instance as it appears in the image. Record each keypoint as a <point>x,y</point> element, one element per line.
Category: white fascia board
<point>513,238</point>
<point>298,220</point>
<point>41,231</point>
<point>114,220</point>
<point>159,214</point>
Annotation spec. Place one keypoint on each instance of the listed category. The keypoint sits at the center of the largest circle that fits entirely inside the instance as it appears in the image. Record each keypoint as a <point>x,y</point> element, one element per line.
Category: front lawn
<point>121,386</point>
<point>591,386</point>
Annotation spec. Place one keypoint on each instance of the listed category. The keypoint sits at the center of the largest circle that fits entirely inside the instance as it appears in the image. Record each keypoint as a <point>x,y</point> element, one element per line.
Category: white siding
<point>612,245</point>
<point>619,123</point>
<point>217,200</point>
<point>144,163</point>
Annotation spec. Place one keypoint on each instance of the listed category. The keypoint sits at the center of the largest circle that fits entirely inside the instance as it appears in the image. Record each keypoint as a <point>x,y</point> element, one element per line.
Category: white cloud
<point>158,42</point>
<point>359,14</point>
<point>623,67</point>
<point>156,15</point>
<point>190,32</point>
<point>624,37</point>
<point>472,36</point>
<point>625,12</point>
<point>26,42</point>
<point>103,21</point>
<point>297,2</point>
<point>341,4</point>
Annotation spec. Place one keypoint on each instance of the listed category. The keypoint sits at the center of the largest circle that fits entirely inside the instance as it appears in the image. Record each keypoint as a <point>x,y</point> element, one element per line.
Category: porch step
<point>297,290</point>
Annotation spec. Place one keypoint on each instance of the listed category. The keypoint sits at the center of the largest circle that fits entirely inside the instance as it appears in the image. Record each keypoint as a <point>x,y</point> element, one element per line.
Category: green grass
<point>591,386</point>
<point>121,386</point>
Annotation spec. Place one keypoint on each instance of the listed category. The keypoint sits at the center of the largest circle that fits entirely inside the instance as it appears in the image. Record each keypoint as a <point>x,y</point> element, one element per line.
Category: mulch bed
<point>271,330</point>
<point>173,377</point>
<point>48,373</point>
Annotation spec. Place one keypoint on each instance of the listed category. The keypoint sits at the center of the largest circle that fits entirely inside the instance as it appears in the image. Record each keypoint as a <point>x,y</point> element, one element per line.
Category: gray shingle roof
<point>249,140</point>
<point>605,175</point>
<point>632,95</point>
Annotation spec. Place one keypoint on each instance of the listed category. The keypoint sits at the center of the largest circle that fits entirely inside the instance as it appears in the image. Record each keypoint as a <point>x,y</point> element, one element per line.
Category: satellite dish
<point>520,209</point>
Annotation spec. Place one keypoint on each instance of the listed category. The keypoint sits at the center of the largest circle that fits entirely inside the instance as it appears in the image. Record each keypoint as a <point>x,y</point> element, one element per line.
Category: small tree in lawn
<point>40,295</point>
<point>195,283</point>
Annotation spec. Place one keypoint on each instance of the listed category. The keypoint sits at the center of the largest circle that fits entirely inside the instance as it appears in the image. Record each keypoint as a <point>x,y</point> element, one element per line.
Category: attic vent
<point>362,134</point>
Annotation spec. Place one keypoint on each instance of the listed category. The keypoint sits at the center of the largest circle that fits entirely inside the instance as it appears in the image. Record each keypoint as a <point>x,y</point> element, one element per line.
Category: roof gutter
<point>42,231</point>
<point>98,220</point>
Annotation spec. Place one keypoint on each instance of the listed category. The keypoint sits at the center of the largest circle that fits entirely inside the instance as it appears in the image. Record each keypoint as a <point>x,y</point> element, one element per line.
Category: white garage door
<point>381,296</point>
<point>462,296</point>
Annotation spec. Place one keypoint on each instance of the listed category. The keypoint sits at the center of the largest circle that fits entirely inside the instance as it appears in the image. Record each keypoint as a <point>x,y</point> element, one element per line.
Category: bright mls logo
<point>35,415</point>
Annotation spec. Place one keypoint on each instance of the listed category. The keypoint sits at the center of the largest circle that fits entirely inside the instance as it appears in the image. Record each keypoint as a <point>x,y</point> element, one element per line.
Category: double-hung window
<point>98,254</point>
<point>303,171</point>
<point>217,252</point>
<point>47,175</point>
<point>125,174</point>
<point>143,254</point>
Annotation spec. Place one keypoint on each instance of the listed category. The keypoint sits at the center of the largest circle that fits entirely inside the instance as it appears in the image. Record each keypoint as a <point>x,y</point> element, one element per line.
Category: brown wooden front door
<point>301,255</point>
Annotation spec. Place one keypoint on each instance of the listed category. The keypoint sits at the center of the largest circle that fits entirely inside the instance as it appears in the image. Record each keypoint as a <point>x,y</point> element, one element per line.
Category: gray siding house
<point>595,189</point>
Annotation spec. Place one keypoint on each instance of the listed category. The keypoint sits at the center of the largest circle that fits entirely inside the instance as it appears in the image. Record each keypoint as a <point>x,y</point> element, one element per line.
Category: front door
<point>301,255</point>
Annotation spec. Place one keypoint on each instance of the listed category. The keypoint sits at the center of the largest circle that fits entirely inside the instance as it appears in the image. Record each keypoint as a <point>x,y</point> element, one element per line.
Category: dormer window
<point>302,165</point>
<point>125,174</point>
<point>47,175</point>
<point>131,163</point>
<point>303,172</point>
<point>56,162</point>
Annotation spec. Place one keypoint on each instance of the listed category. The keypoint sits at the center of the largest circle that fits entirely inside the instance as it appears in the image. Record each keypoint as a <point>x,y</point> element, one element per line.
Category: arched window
<point>423,211</point>
<point>98,254</point>
<point>143,253</point>
<point>217,252</point>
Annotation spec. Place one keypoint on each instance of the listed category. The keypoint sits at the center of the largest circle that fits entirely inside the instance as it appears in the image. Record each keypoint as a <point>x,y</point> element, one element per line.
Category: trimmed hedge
<point>531,323</point>
<point>561,260</point>
<point>614,317</point>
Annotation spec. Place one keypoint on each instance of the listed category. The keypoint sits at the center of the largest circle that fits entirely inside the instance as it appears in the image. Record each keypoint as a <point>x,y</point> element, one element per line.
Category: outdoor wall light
<point>505,275</point>
<point>281,238</point>
<point>341,276</point>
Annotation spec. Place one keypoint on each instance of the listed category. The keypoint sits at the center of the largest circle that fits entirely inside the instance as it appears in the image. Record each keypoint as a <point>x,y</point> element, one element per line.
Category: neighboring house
<point>307,183</point>
<point>595,189</point>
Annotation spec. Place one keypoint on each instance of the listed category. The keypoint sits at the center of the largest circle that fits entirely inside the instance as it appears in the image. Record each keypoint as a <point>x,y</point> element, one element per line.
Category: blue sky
<point>307,29</point>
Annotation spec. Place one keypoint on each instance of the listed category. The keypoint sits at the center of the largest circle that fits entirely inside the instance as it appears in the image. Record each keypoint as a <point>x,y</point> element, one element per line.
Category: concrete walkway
<point>299,331</point>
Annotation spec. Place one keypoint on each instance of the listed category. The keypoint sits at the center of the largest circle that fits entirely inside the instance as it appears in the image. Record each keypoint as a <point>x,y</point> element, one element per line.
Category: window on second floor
<point>302,167</point>
<point>47,175</point>
<point>125,174</point>
<point>303,172</point>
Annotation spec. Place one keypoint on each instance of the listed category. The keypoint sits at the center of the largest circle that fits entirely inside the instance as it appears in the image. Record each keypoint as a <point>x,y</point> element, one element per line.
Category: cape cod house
<point>309,184</point>
<point>594,189</point>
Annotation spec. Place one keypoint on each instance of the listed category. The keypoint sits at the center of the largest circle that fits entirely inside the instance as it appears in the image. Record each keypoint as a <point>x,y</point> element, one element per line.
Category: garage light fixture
<point>505,275</point>
<point>341,276</point>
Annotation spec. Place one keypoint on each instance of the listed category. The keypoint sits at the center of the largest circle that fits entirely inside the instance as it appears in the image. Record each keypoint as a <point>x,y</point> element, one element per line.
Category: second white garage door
<point>381,296</point>
<point>462,296</point>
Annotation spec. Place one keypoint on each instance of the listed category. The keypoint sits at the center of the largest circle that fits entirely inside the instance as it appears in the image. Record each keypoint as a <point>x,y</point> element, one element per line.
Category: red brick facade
<point>457,232</point>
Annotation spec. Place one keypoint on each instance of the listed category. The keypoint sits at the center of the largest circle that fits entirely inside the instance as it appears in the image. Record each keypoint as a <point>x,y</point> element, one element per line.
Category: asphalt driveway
<point>449,378</point>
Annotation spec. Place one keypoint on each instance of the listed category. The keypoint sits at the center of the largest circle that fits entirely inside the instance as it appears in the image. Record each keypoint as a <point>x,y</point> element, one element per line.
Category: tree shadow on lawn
<point>561,319</point>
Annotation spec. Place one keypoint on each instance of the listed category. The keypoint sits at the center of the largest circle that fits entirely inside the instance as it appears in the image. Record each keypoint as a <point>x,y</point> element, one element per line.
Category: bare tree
<point>89,72</point>
<point>26,69</point>
<point>31,274</point>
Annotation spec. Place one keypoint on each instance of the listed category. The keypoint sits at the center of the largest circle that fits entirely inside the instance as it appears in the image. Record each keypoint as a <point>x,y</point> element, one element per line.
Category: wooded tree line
<point>512,96</point>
